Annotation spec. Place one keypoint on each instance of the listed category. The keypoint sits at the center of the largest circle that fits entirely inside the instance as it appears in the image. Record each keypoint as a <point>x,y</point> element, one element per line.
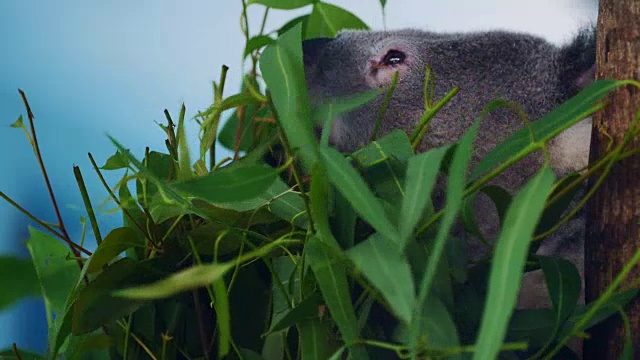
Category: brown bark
<point>614,213</point>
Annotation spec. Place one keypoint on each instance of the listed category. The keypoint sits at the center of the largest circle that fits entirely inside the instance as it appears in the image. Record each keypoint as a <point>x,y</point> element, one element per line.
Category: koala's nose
<point>312,48</point>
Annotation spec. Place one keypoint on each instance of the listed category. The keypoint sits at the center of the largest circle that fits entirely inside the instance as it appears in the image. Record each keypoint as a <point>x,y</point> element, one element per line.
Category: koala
<point>485,66</point>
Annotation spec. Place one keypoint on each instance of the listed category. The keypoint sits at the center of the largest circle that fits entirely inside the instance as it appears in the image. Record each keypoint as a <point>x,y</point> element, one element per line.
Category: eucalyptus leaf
<point>564,116</point>
<point>509,260</point>
<point>117,241</point>
<point>326,20</point>
<point>383,264</point>
<point>282,68</point>
<point>421,177</point>
<point>347,180</point>
<point>331,276</point>
<point>564,285</point>
<point>283,4</point>
<point>455,188</point>
<point>18,278</point>
<point>232,183</point>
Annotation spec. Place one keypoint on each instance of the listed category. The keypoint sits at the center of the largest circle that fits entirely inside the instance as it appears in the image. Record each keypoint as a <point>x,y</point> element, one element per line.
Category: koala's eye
<point>394,58</point>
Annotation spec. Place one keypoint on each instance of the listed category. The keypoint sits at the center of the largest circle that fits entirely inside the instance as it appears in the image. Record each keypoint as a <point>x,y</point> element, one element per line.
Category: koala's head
<point>485,66</point>
<point>358,61</point>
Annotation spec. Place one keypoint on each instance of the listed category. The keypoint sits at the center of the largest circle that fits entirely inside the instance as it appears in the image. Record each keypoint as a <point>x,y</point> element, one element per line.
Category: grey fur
<point>485,66</point>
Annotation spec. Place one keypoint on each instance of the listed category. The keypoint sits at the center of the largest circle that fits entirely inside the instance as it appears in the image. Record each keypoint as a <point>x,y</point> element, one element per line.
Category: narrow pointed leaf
<point>562,117</point>
<point>331,276</point>
<point>421,177</point>
<point>509,260</point>
<point>347,180</point>
<point>383,264</point>
<point>17,287</point>
<point>455,188</point>
<point>234,183</point>
<point>283,71</point>
<point>117,241</point>
<point>326,20</point>
<point>564,284</point>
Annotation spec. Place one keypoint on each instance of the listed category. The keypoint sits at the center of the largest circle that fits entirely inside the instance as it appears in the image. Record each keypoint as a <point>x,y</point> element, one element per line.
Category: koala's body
<point>485,66</point>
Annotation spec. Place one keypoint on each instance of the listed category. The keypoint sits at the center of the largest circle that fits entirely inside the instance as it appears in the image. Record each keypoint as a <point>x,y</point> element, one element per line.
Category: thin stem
<point>36,149</point>
<point>31,216</point>
<point>14,347</point>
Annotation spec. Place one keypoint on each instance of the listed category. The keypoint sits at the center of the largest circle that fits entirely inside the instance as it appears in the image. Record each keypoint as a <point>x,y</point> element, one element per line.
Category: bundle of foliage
<point>323,255</point>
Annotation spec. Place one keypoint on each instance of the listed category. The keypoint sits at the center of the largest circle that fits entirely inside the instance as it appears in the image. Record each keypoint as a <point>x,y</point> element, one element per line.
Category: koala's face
<point>357,61</point>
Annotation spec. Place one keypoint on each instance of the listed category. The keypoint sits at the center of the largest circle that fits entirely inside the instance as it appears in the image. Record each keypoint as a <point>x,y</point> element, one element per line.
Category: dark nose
<point>312,48</point>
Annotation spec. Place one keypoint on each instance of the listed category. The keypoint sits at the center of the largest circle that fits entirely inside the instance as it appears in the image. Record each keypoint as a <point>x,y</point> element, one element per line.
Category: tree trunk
<point>614,212</point>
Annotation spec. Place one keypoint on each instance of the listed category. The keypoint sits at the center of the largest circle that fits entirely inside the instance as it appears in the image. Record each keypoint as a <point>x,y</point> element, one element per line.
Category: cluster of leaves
<point>327,254</point>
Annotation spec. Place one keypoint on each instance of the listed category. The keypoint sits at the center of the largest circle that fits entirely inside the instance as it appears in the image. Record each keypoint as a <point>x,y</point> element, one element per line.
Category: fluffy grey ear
<point>577,62</point>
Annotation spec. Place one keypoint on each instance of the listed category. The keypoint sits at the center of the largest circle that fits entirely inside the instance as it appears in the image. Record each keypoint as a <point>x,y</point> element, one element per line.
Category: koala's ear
<point>577,61</point>
<point>312,49</point>
<point>586,78</point>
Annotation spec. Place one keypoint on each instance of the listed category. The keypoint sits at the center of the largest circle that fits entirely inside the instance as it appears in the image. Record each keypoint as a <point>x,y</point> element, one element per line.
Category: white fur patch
<point>569,151</point>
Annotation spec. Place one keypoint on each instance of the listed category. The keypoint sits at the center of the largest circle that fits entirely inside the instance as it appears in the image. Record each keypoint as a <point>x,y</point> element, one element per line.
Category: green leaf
<point>116,161</point>
<point>96,305</point>
<point>19,279</point>
<point>56,273</point>
<point>455,188</point>
<point>420,179</point>
<point>564,284</point>
<point>231,183</point>
<point>257,42</point>
<point>117,241</point>
<point>325,113</point>
<point>162,167</point>
<point>395,144</point>
<point>283,71</point>
<point>535,326</point>
<point>438,326</point>
<point>250,354</point>
<point>280,199</point>
<point>612,306</point>
<point>509,260</point>
<point>347,180</point>
<point>306,310</point>
<point>191,278</point>
<point>314,340</point>
<point>283,4</point>
<point>331,276</point>
<point>500,197</point>
<point>302,20</point>
<point>19,123</point>
<point>326,20</point>
<point>319,206</point>
<point>343,221</point>
<point>382,263</point>
<point>554,212</point>
<point>564,116</point>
